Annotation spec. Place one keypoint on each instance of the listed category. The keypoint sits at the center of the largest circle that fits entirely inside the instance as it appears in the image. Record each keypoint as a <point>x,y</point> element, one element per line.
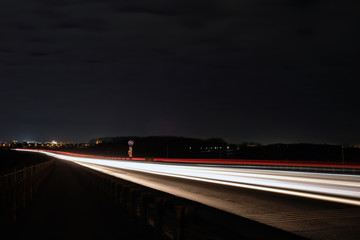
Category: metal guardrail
<point>17,188</point>
<point>168,217</point>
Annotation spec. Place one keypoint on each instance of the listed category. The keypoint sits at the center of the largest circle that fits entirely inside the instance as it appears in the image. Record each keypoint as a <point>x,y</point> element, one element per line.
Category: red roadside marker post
<point>131,143</point>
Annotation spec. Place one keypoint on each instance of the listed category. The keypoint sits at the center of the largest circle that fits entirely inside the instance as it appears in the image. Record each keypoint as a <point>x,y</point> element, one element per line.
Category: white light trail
<point>329,187</point>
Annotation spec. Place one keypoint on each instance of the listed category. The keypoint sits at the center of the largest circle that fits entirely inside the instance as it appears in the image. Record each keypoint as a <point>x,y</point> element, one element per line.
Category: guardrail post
<point>13,188</point>
<point>169,223</point>
<point>131,201</point>
<point>155,211</point>
<point>141,205</point>
<point>31,181</point>
<point>182,214</point>
<point>24,187</point>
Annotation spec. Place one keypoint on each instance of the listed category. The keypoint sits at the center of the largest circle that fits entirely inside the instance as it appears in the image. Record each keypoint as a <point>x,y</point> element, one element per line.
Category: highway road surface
<point>312,205</point>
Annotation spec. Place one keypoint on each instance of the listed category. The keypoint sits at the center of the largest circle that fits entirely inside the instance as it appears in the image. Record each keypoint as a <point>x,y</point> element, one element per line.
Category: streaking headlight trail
<point>329,187</point>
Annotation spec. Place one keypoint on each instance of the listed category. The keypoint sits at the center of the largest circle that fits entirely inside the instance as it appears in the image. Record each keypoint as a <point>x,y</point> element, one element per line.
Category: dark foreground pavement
<point>67,206</point>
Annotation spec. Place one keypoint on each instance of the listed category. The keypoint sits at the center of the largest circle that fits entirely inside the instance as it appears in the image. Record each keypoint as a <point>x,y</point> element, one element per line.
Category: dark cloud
<point>90,24</point>
<point>259,70</point>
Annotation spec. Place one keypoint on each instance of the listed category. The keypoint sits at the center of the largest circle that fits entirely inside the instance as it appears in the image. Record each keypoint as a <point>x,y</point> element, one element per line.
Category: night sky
<point>267,71</point>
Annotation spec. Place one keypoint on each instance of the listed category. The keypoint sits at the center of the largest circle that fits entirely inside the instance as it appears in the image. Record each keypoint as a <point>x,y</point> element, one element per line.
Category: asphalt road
<point>301,203</point>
